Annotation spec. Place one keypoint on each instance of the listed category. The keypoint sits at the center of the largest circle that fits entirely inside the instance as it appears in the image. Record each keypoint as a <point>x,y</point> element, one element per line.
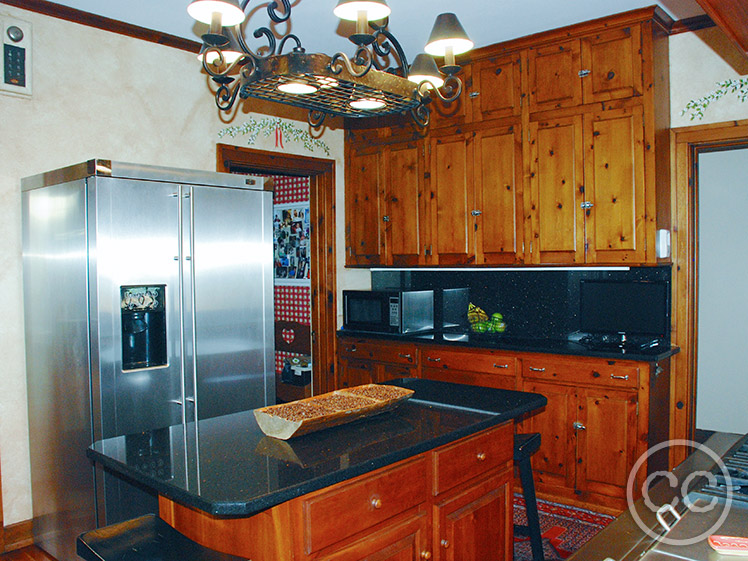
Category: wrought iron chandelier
<point>360,86</point>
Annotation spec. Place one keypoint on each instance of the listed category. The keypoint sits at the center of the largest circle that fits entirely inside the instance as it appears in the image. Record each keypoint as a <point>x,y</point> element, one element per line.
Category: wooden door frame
<point>321,173</point>
<point>687,143</point>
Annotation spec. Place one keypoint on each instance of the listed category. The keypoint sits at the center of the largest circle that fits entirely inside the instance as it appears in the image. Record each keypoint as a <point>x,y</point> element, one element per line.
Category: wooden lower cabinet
<point>370,361</point>
<point>475,522</point>
<point>452,503</point>
<point>601,416</point>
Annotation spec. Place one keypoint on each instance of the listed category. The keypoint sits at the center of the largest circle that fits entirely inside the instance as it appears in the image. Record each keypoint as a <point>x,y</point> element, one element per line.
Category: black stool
<point>525,445</point>
<point>147,538</point>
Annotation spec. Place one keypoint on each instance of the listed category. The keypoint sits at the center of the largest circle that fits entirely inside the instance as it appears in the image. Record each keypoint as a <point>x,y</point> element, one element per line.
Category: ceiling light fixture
<point>360,86</point>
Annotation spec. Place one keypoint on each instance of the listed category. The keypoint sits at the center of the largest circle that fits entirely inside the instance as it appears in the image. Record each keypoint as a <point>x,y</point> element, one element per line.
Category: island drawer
<point>474,361</point>
<point>379,351</point>
<point>597,372</point>
<point>332,515</point>
<point>471,457</point>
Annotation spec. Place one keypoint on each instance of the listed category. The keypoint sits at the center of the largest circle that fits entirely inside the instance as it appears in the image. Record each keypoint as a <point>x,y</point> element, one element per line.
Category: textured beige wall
<point>99,95</point>
<point>697,62</point>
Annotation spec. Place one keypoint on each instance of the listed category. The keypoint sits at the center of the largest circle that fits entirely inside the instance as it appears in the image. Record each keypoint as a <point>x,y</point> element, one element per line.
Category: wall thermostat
<point>16,70</point>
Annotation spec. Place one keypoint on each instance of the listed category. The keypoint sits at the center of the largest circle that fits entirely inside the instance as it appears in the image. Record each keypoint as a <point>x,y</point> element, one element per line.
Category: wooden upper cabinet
<point>554,76</point>
<point>456,112</point>
<point>596,68</point>
<point>496,89</point>
<point>451,187</point>
<point>614,61</point>
<point>616,223</point>
<point>406,219</point>
<point>498,187</point>
<point>363,206</point>
<point>557,190</point>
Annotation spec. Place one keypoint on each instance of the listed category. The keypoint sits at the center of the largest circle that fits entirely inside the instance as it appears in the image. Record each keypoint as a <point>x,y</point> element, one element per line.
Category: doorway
<point>688,143</point>
<point>722,307</point>
<point>321,173</point>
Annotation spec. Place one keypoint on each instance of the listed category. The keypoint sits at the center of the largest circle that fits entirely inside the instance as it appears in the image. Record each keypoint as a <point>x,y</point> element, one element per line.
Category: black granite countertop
<point>525,344</point>
<point>226,466</point>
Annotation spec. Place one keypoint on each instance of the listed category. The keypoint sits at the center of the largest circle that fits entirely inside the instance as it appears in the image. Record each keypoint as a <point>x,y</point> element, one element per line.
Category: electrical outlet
<point>16,53</point>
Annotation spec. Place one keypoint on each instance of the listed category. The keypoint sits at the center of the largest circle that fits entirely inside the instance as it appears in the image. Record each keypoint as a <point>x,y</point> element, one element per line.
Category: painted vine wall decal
<point>268,126</point>
<point>737,86</point>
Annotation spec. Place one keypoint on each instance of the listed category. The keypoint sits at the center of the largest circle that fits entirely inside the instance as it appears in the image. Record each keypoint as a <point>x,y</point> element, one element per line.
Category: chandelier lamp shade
<point>376,81</point>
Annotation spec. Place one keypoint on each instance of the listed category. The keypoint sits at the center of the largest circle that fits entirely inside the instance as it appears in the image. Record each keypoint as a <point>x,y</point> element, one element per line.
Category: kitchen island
<point>431,479</point>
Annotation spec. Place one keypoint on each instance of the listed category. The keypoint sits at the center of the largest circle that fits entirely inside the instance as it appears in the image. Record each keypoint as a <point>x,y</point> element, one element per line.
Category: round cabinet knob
<point>445,544</point>
<point>376,503</point>
<point>425,555</point>
<point>481,456</point>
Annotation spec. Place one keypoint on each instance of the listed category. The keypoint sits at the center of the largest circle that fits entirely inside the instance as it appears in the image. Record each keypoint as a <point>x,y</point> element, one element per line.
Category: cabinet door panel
<point>557,186</point>
<point>498,176</point>
<point>614,173</point>
<point>607,446</point>
<point>476,524</point>
<point>451,186</point>
<point>496,90</point>
<point>554,76</point>
<point>356,373</point>
<point>554,462</point>
<point>363,205</point>
<point>404,231</point>
<point>614,60</point>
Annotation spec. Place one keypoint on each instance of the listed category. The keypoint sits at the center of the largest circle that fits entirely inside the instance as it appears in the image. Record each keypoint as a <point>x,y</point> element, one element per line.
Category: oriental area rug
<point>564,529</point>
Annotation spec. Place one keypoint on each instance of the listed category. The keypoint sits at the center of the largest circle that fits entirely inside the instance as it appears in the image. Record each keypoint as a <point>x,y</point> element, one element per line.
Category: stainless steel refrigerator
<point>148,303</point>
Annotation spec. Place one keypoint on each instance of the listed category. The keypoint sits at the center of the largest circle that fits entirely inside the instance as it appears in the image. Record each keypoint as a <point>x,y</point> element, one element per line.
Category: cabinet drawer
<point>379,351</point>
<point>486,362</point>
<point>331,516</point>
<point>469,458</point>
<point>606,373</point>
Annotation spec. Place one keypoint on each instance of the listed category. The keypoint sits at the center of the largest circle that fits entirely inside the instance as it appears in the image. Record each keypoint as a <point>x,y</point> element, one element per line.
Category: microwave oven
<point>388,311</point>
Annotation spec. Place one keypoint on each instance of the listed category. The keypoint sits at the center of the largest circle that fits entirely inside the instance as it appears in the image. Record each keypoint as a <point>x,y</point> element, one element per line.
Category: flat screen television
<point>636,308</point>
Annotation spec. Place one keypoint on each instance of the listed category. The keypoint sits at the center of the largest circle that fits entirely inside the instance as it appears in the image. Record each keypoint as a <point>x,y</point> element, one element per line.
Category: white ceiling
<point>486,21</point>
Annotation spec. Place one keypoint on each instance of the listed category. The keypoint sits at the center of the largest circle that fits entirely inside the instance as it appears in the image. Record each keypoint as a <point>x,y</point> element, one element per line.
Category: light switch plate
<point>16,72</point>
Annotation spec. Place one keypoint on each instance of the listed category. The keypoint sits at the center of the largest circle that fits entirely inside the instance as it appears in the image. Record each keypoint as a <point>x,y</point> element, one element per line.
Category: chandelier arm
<point>259,32</point>
<point>421,115</point>
<point>209,67</point>
<point>225,98</point>
<point>279,18</point>
<point>452,89</point>
<point>293,38</point>
<point>336,67</point>
<point>316,118</point>
<point>385,48</point>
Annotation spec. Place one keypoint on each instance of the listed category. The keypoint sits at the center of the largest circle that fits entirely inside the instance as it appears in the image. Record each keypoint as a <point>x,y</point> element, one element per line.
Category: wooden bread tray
<point>319,412</point>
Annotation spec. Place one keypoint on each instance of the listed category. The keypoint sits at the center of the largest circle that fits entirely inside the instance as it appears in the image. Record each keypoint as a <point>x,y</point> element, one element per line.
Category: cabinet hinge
<point>637,407</point>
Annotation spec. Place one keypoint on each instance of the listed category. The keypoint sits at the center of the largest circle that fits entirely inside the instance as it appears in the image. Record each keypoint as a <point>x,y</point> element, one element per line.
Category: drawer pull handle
<point>426,555</point>
<point>445,544</point>
<point>579,426</point>
<point>433,359</point>
<point>614,377</point>
<point>501,366</point>
<point>537,369</point>
<point>481,456</point>
<point>376,503</point>
<point>405,356</point>
<point>351,349</point>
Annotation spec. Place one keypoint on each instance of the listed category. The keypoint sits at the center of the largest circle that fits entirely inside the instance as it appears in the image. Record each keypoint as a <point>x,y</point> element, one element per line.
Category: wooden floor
<point>31,553</point>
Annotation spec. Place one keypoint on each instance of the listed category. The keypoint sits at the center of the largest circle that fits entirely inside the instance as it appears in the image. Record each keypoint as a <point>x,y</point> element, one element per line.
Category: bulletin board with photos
<point>291,244</point>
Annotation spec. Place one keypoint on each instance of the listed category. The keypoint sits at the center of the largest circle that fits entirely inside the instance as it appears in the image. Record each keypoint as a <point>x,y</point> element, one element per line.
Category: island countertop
<point>226,466</point>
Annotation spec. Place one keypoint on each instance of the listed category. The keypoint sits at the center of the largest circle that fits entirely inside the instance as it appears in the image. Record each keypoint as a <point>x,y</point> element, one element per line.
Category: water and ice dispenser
<point>143,326</point>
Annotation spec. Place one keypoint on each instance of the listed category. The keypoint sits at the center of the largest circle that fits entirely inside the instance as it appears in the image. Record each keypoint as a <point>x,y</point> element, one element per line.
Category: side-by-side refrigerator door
<point>135,303</point>
<point>231,274</point>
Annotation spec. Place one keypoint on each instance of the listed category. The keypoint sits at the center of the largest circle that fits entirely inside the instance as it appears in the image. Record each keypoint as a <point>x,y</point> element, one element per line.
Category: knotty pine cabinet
<point>387,219</point>
<point>587,188</point>
<point>556,153</point>
<point>602,414</point>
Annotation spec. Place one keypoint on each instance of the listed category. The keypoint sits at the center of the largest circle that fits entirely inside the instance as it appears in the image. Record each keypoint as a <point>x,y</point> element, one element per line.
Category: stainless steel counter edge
<point>623,539</point>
